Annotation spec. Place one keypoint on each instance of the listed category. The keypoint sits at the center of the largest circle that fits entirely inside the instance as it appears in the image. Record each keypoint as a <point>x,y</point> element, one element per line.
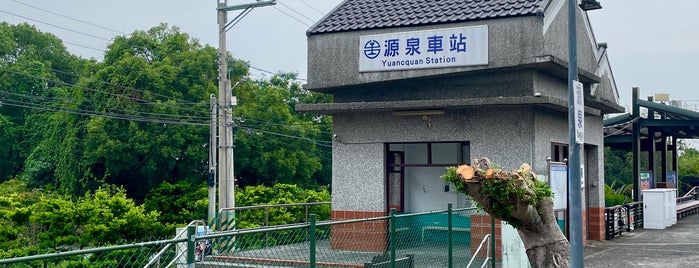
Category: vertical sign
<point>449,47</point>
<point>579,107</point>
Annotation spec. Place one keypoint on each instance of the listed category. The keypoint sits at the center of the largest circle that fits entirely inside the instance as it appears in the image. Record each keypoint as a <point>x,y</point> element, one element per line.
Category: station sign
<point>579,107</point>
<point>449,47</point>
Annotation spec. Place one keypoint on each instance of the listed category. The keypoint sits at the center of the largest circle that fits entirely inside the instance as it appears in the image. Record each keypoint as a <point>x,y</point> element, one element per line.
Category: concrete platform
<point>676,246</point>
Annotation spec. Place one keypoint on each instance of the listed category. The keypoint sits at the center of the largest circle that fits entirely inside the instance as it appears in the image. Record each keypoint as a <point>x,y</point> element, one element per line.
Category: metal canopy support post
<point>651,152</point>
<point>636,146</point>
<point>675,148</point>
<point>663,156</point>
<point>575,193</point>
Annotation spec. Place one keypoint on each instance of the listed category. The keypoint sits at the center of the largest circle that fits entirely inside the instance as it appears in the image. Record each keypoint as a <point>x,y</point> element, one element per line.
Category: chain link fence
<point>429,239</point>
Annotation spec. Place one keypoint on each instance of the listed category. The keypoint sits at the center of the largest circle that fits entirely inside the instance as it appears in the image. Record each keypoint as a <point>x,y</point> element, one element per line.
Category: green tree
<point>33,66</point>
<point>688,163</point>
<point>45,220</point>
<point>613,198</point>
<point>149,107</point>
<point>179,203</point>
<point>279,194</point>
<point>274,144</point>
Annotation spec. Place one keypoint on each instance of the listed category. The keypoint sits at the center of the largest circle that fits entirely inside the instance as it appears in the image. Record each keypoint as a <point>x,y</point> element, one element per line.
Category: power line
<point>67,101</point>
<point>137,100</point>
<point>79,45</point>
<point>104,51</point>
<point>267,123</point>
<point>67,17</point>
<point>291,16</point>
<point>15,103</point>
<point>316,142</point>
<point>118,116</point>
<point>107,83</point>
<point>295,11</point>
<point>53,25</point>
<point>272,73</point>
<point>312,7</point>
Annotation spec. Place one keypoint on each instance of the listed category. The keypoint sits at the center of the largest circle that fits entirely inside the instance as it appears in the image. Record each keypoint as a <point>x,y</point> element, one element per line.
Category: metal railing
<point>693,192</point>
<point>623,218</point>
<point>430,239</point>
<point>156,259</point>
<point>306,206</point>
<point>486,239</point>
<point>627,217</point>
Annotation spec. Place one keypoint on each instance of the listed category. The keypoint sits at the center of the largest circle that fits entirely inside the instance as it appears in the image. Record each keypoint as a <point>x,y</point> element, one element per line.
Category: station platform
<point>676,246</point>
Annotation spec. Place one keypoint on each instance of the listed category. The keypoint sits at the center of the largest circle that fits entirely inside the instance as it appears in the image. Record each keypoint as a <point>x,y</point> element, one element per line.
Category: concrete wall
<point>505,134</point>
<point>462,86</point>
<point>334,57</point>
<point>556,39</point>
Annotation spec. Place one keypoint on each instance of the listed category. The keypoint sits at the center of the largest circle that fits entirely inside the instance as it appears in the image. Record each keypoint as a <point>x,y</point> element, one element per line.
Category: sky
<point>653,45</point>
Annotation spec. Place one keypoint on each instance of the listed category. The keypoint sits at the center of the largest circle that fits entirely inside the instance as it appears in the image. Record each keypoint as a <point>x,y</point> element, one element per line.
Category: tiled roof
<point>372,14</point>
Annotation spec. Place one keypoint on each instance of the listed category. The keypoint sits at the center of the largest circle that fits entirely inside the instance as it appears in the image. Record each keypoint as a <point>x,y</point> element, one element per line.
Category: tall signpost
<point>225,125</point>
<point>574,191</point>
<point>576,128</point>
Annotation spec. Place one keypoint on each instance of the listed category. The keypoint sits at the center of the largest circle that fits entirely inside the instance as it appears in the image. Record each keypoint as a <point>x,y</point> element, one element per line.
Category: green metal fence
<point>428,239</point>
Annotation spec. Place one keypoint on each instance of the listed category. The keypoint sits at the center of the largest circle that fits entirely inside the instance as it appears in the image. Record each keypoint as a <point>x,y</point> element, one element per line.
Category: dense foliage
<point>141,116</point>
<point>280,194</point>
<point>34,221</point>
<point>99,151</point>
<point>45,220</point>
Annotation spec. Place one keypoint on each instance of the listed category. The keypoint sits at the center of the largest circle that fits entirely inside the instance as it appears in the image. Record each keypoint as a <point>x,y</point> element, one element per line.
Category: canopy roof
<point>648,129</point>
<point>660,118</point>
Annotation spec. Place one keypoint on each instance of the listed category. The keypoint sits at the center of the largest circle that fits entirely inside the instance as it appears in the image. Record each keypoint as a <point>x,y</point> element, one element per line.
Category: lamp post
<point>574,180</point>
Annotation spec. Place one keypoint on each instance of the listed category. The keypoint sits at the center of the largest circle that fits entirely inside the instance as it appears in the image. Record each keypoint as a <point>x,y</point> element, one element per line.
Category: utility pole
<point>226,102</point>
<point>211,175</point>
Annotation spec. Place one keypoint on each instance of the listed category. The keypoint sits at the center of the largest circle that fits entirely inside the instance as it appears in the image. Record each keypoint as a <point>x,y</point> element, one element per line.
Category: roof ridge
<point>353,15</point>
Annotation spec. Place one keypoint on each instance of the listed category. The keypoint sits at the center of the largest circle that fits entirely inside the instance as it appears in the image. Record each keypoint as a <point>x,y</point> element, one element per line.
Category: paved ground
<point>677,246</point>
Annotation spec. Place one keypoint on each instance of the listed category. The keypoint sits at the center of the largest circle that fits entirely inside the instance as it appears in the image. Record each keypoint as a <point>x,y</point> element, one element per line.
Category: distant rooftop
<point>374,14</point>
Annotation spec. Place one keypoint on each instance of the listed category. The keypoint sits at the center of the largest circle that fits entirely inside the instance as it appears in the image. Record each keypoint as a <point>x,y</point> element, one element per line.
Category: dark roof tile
<point>375,14</point>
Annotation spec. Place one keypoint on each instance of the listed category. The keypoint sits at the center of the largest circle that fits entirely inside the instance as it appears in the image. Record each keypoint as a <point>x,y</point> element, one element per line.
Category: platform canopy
<point>654,128</point>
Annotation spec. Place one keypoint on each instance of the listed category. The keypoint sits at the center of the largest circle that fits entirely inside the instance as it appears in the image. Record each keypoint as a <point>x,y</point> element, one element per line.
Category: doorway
<point>413,178</point>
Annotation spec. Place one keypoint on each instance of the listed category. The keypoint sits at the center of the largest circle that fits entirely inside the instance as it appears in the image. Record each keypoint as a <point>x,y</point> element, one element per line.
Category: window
<point>559,152</point>
<point>433,153</point>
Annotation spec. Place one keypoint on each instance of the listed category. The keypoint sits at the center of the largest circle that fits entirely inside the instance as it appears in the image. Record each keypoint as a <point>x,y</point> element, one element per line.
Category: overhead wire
<point>56,26</point>
<point>291,16</point>
<point>111,84</point>
<point>137,100</point>
<point>121,116</point>
<point>44,98</point>
<point>67,17</point>
<point>15,103</point>
<point>312,7</point>
<point>267,123</point>
<point>242,15</point>
<point>317,142</point>
<point>83,46</point>
<point>273,73</point>
<point>297,12</point>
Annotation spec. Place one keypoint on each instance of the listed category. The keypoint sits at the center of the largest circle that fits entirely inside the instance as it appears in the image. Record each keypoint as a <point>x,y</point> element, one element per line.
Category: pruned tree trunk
<point>525,203</point>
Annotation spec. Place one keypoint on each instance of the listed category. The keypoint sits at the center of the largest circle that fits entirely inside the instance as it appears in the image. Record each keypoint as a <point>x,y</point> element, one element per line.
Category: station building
<point>422,85</point>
